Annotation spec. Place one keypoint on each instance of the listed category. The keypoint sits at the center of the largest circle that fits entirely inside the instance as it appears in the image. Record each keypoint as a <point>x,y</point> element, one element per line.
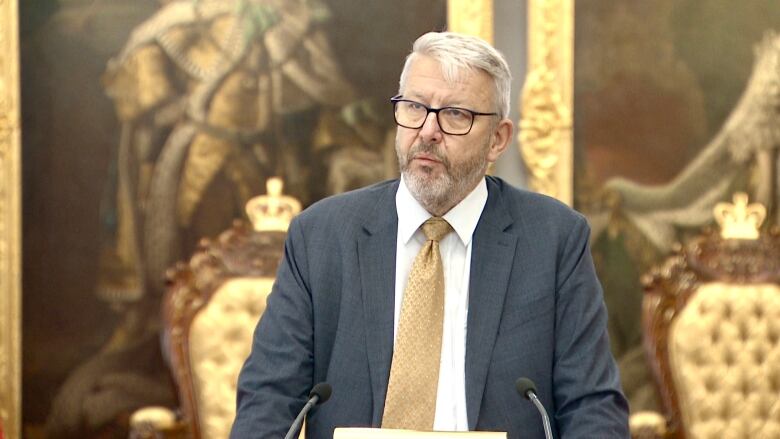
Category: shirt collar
<point>463,217</point>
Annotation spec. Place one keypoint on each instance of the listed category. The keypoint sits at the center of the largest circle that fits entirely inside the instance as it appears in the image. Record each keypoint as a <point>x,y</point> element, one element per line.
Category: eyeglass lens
<point>451,120</point>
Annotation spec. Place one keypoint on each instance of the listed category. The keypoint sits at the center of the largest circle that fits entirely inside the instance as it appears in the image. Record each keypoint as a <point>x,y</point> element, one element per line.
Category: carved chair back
<point>211,308</point>
<point>711,317</point>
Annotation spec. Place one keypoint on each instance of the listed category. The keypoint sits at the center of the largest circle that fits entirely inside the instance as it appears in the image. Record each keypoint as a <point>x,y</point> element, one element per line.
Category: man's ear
<point>502,134</point>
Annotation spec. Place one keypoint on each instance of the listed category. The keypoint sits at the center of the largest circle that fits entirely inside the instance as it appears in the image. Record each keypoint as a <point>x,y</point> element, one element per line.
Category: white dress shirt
<point>455,251</point>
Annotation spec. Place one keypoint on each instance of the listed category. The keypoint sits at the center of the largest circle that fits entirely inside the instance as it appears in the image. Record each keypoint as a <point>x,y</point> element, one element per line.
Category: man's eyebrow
<point>422,99</point>
<point>413,95</point>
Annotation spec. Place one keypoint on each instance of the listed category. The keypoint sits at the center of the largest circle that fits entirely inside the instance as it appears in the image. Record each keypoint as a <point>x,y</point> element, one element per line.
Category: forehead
<point>426,81</point>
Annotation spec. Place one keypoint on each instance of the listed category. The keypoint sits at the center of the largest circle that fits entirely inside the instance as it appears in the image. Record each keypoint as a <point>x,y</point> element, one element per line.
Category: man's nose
<point>431,131</point>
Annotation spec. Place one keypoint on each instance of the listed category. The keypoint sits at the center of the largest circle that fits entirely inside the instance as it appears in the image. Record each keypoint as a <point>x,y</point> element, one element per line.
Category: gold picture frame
<point>474,17</point>
<point>546,130</point>
<point>10,224</point>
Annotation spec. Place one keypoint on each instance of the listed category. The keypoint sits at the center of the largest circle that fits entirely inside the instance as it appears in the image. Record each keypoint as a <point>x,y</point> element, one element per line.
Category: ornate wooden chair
<point>210,311</point>
<point>711,320</point>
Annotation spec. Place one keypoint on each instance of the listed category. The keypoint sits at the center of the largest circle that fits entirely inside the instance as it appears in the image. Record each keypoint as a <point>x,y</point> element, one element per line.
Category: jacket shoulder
<point>351,207</point>
<point>533,207</point>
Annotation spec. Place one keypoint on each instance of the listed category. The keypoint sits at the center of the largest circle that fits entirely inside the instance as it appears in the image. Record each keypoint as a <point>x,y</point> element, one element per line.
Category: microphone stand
<point>545,419</point>
<point>527,388</point>
<point>319,394</point>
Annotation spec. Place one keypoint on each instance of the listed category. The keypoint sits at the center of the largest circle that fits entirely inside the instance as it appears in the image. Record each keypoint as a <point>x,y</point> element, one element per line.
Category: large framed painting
<point>147,124</point>
<point>643,115</point>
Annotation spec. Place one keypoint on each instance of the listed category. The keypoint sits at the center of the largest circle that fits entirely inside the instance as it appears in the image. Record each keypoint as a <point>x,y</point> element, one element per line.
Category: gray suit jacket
<point>535,310</point>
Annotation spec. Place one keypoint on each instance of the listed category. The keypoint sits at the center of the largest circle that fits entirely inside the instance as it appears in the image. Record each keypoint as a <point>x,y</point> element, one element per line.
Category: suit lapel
<point>491,264</point>
<point>376,256</point>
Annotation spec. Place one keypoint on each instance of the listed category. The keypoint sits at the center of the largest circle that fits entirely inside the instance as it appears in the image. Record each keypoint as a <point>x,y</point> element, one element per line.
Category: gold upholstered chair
<point>210,310</point>
<point>711,321</point>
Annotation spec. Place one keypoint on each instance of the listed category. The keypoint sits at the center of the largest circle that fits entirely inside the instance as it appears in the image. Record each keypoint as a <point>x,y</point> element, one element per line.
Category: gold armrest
<point>647,425</point>
<point>156,423</point>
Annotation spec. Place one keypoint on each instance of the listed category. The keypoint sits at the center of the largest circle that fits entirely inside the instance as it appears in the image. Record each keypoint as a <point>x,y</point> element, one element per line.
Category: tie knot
<point>436,228</point>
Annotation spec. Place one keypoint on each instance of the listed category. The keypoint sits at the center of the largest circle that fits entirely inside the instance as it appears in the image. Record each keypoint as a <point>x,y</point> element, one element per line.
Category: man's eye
<point>455,113</point>
<point>415,106</point>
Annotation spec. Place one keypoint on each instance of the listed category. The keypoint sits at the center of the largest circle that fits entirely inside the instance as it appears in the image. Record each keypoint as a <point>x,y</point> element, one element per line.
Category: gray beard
<point>440,194</point>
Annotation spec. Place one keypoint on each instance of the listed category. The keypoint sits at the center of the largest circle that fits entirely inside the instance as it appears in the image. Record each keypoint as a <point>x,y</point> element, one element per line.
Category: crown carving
<point>273,211</point>
<point>739,220</point>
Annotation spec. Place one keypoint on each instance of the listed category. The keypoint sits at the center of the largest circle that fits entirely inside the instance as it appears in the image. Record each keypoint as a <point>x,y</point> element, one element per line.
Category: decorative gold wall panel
<point>546,132</point>
<point>473,17</point>
<point>10,226</point>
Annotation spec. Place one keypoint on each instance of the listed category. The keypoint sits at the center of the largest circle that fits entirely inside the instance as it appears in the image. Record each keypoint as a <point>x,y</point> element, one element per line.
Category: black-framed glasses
<point>452,120</point>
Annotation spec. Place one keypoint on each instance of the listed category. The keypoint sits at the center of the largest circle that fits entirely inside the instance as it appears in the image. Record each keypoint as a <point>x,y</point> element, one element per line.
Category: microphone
<point>527,388</point>
<point>319,394</point>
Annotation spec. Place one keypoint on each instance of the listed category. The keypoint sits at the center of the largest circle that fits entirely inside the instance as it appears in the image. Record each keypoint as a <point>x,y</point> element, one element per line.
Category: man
<point>519,297</point>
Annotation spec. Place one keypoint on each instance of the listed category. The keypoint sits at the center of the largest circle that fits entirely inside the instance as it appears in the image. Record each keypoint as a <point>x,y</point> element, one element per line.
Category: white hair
<point>457,53</point>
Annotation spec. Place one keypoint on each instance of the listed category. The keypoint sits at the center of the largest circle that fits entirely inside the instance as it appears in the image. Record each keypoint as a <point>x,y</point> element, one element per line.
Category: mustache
<point>430,149</point>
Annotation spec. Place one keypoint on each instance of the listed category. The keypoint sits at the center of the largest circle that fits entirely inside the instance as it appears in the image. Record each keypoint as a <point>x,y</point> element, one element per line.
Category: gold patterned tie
<point>414,372</point>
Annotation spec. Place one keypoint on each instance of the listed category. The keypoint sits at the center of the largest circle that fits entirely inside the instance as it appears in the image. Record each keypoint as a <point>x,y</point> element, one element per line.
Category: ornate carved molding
<point>10,225</point>
<point>546,137</point>
<point>473,17</point>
